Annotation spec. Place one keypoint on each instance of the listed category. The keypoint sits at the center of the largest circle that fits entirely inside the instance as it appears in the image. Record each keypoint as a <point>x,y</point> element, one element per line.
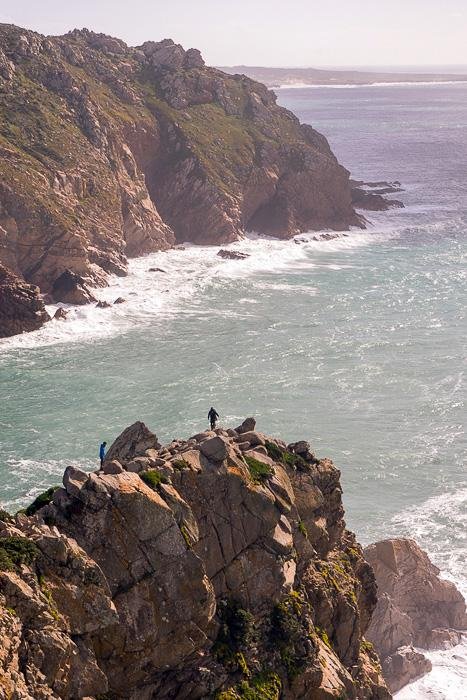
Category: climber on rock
<point>102,453</point>
<point>213,417</point>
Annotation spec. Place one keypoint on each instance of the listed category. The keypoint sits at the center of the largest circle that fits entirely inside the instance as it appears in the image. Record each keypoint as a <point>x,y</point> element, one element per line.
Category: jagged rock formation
<point>415,608</point>
<point>369,195</point>
<point>217,567</point>
<point>108,151</point>
<point>21,308</point>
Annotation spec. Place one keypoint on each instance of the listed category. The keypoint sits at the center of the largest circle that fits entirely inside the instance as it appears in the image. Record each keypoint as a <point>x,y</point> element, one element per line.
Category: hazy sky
<point>269,32</point>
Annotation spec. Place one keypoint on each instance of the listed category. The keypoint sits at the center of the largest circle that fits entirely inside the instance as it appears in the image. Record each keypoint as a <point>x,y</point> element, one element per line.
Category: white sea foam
<point>154,296</point>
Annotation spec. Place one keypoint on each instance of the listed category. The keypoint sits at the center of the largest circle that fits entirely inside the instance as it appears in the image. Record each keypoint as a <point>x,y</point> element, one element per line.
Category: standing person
<point>213,417</point>
<point>102,453</point>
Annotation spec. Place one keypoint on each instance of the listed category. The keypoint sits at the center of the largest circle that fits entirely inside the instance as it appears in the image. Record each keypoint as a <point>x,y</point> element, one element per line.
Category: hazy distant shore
<point>310,77</point>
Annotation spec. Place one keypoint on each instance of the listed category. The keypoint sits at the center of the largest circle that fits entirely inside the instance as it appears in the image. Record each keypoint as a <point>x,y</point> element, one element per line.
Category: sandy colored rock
<point>415,607</point>
<point>160,591</point>
<point>133,442</point>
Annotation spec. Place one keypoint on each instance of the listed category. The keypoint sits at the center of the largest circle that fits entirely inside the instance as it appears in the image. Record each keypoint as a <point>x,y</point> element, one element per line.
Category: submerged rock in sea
<point>232,254</point>
<point>415,607</point>
<point>211,573</point>
<point>369,195</point>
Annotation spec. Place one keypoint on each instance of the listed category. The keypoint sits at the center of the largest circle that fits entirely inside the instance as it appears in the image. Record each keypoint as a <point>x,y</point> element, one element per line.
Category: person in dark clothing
<point>102,453</point>
<point>213,417</point>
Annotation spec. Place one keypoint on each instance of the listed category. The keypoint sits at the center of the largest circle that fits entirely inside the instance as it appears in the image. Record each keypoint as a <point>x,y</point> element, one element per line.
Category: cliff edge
<point>109,152</point>
<point>218,567</point>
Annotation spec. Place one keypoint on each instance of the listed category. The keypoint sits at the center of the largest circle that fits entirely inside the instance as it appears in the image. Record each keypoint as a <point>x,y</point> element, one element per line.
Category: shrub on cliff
<point>153,478</point>
<point>15,551</point>
<point>285,457</point>
<point>258,470</point>
<point>42,500</point>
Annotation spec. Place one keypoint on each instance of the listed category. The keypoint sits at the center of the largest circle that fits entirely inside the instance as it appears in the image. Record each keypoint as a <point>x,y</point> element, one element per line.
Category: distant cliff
<point>108,151</point>
<point>276,77</point>
<point>217,567</point>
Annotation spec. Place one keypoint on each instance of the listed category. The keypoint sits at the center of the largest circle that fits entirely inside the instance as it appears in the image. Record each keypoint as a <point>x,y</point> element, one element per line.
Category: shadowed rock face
<point>220,564</point>
<point>21,308</point>
<point>109,151</point>
<point>415,607</point>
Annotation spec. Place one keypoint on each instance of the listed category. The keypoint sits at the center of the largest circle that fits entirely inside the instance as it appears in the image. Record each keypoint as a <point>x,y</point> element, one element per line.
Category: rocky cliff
<point>218,567</point>
<point>109,151</point>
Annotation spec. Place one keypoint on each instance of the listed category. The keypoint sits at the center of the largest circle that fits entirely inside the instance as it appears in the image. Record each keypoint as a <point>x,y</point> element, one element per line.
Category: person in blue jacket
<point>102,452</point>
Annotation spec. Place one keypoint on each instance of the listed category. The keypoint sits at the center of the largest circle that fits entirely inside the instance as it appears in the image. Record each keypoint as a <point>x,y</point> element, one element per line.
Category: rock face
<point>71,289</point>
<point>21,308</point>
<point>108,151</point>
<point>222,570</point>
<point>415,608</point>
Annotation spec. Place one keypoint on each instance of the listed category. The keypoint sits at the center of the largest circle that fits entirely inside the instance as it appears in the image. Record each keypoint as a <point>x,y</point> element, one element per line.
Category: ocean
<point>355,343</point>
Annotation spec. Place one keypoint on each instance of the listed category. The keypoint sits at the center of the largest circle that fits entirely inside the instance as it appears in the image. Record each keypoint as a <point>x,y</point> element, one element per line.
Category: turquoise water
<point>356,343</point>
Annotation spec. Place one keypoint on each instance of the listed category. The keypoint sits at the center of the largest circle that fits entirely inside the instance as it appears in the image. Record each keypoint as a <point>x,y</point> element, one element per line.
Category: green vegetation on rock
<point>153,478</point>
<point>180,464</point>
<point>259,471</point>
<point>302,528</point>
<point>288,630</point>
<point>287,458</point>
<point>42,500</point>
<point>15,551</point>
<point>264,686</point>
<point>5,516</point>
<point>236,633</point>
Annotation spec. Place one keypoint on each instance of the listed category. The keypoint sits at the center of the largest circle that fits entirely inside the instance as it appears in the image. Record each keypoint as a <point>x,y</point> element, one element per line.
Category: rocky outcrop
<point>21,307</point>
<point>215,567</point>
<point>415,608</point>
<point>108,151</point>
<point>71,289</point>
<point>369,195</point>
<point>53,600</point>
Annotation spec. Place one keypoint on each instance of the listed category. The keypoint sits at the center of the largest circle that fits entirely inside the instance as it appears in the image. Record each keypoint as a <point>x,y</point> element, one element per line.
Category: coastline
<point>419,83</point>
<point>151,294</point>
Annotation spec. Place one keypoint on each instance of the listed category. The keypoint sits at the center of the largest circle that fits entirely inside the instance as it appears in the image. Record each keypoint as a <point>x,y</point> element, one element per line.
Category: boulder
<point>216,448</point>
<point>60,314</point>
<point>404,666</point>
<point>103,304</point>
<point>252,437</point>
<point>71,288</point>
<point>74,480</point>
<point>248,425</point>
<point>133,442</point>
<point>112,467</point>
<point>119,300</point>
